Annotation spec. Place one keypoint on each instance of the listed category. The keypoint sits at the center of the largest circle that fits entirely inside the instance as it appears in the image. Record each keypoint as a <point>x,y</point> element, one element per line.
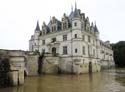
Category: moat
<point>106,81</point>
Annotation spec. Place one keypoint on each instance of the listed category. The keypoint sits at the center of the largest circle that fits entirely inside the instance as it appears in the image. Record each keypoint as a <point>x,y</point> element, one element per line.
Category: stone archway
<point>54,51</point>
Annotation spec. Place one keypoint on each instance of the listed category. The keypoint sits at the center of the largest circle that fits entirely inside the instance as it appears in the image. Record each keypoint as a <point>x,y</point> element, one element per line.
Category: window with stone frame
<point>75,24</point>
<point>64,25</point>
<point>54,28</point>
<point>83,37</point>
<point>76,50</point>
<point>43,50</point>
<point>75,35</point>
<point>89,38</point>
<point>32,47</point>
<point>65,50</point>
<point>94,53</point>
<point>64,37</point>
<point>34,44</point>
<point>44,32</point>
<point>83,61</point>
<point>83,50</point>
<point>43,42</point>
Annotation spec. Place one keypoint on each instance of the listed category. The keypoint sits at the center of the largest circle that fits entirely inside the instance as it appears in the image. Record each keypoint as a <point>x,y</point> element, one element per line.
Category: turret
<point>87,24</point>
<point>96,31</point>
<point>76,19</point>
<point>37,27</point>
<point>92,28</point>
<point>37,31</point>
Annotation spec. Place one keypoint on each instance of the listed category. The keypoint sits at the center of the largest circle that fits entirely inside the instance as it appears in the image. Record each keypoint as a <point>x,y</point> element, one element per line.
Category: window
<point>94,52</point>
<point>44,31</point>
<point>31,47</point>
<point>64,50</point>
<point>54,28</point>
<point>83,50</point>
<point>64,25</point>
<point>75,24</point>
<point>54,51</point>
<point>53,39</point>
<point>35,44</point>
<point>43,42</point>
<point>88,38</point>
<point>75,50</point>
<point>106,53</point>
<point>64,37</point>
<point>43,50</point>
<point>83,37</point>
<point>93,42</point>
<point>102,51</point>
<point>83,61</point>
<point>75,35</point>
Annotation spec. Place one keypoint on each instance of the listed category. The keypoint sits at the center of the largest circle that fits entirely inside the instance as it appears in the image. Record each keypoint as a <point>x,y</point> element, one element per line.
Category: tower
<point>37,31</point>
<point>35,44</point>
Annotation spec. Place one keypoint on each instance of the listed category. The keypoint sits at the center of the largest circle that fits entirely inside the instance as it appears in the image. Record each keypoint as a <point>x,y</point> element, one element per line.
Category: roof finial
<point>75,5</point>
<point>96,29</point>
<point>95,23</point>
<point>72,8</point>
<point>37,26</point>
<point>50,17</point>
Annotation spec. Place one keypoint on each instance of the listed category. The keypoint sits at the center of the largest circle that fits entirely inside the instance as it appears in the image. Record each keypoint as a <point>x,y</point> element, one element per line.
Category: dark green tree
<point>119,53</point>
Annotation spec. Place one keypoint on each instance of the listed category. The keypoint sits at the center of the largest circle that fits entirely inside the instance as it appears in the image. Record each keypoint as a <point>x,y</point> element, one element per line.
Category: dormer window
<point>64,22</point>
<point>43,42</point>
<point>54,28</point>
<point>64,25</point>
<point>44,31</point>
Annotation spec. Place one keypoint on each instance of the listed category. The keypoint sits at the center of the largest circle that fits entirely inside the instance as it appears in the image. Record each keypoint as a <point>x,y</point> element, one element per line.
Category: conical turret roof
<point>37,27</point>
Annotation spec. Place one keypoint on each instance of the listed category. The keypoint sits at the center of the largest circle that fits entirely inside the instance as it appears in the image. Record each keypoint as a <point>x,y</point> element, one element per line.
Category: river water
<point>106,81</point>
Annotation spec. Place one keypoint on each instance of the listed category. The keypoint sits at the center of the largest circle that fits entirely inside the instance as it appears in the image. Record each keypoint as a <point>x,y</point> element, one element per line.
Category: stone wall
<point>54,65</point>
<point>32,64</point>
<point>50,65</point>
<point>16,68</point>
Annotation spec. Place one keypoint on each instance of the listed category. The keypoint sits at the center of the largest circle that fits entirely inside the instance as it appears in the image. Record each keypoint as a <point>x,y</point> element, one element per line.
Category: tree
<point>119,53</point>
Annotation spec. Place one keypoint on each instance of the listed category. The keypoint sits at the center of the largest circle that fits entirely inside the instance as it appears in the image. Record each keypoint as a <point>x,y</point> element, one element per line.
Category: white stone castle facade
<point>73,39</point>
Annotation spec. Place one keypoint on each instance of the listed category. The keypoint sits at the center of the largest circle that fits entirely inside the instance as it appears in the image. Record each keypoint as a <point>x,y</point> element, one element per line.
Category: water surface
<point>108,81</point>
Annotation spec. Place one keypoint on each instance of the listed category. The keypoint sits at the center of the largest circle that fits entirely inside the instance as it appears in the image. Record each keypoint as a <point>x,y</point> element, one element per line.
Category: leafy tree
<point>119,53</point>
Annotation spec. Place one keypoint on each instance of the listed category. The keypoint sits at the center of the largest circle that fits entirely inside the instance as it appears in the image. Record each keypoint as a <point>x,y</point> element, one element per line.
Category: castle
<point>71,45</point>
<point>74,41</point>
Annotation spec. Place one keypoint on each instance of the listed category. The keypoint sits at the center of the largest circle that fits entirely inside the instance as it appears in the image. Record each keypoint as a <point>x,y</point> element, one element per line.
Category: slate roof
<point>37,27</point>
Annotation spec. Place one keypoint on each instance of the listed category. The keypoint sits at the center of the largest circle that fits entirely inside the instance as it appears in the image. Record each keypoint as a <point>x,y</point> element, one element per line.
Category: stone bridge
<point>21,63</point>
<point>15,63</point>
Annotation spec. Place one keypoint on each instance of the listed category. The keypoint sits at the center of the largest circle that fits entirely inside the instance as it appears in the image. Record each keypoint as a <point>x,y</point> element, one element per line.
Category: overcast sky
<point>18,18</point>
